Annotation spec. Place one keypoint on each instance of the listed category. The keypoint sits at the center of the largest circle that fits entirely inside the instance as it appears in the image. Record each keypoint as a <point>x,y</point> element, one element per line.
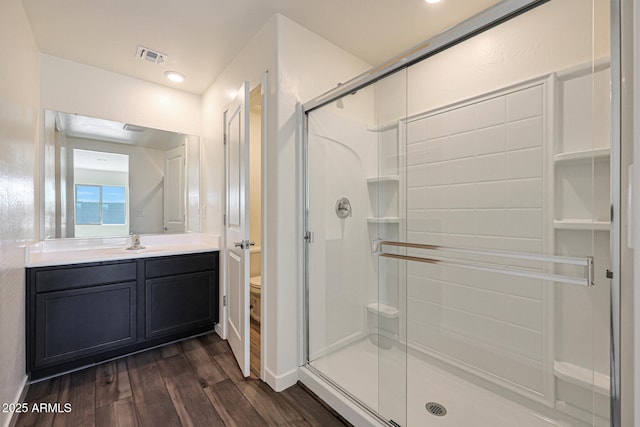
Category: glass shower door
<point>479,176</point>
<point>354,330</point>
<point>388,222</point>
<point>507,189</point>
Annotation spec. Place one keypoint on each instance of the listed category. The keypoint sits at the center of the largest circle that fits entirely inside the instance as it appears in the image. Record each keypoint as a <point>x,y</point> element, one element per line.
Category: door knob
<point>244,244</point>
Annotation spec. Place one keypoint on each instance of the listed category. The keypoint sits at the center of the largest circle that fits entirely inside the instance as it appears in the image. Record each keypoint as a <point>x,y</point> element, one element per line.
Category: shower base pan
<point>435,397</point>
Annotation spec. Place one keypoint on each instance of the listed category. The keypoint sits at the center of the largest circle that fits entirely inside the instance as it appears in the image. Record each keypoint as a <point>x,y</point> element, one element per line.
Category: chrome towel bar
<point>586,262</point>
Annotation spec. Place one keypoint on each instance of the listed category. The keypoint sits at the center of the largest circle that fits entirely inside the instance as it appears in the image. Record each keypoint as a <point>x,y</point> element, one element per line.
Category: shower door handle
<point>435,258</point>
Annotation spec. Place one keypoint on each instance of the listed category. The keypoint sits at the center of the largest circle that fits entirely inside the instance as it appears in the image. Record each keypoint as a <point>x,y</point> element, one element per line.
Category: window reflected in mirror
<point>106,178</point>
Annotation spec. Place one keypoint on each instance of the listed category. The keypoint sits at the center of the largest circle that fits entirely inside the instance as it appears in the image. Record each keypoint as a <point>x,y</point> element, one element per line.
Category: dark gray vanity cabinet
<point>82,314</point>
<point>81,310</point>
<point>180,294</point>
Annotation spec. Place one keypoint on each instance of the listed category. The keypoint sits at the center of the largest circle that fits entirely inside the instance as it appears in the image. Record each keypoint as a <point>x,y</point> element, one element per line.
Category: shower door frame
<point>479,23</point>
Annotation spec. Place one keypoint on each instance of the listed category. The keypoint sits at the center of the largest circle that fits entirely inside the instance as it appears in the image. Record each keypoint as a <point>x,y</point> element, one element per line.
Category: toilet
<point>255,287</point>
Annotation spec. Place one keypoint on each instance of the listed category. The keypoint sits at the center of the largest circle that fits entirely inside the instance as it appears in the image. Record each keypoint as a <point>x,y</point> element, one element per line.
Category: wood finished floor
<point>193,383</point>
<point>254,348</point>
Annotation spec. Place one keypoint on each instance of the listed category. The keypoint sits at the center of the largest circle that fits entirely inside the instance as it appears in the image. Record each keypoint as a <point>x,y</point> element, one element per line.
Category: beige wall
<point>72,87</point>
<point>255,178</point>
<point>18,123</point>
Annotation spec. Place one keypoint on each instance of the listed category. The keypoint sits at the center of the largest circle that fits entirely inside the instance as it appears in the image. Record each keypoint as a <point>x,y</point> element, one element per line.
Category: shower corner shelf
<point>598,154</point>
<point>581,224</point>
<point>585,378</point>
<point>383,127</point>
<point>383,310</point>
<point>383,220</point>
<point>383,178</point>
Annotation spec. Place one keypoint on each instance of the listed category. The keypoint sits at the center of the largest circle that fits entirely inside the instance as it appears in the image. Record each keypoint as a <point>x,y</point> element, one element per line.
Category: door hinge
<point>224,301</point>
<point>308,237</point>
<point>609,274</point>
<point>224,219</point>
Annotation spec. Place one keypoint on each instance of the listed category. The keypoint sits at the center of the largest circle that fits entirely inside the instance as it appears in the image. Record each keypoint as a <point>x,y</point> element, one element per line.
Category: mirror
<point>106,178</point>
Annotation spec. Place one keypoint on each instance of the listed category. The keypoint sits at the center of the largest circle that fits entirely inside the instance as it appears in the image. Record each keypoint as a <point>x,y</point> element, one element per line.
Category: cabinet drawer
<point>80,322</point>
<point>47,280</point>
<point>181,264</point>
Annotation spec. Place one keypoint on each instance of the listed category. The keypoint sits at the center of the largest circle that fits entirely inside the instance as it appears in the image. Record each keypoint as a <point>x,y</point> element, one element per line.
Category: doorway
<point>244,170</point>
<point>255,213</point>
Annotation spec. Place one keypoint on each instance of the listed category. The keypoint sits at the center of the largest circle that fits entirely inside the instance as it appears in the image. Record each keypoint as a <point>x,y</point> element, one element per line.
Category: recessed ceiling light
<point>432,1</point>
<point>174,76</point>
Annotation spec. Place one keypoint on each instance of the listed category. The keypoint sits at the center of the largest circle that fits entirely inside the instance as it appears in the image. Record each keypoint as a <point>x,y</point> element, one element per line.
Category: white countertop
<point>95,249</point>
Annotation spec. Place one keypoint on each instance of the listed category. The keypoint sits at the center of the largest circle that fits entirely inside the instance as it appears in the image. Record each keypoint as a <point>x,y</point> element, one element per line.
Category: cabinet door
<point>80,322</point>
<point>178,303</point>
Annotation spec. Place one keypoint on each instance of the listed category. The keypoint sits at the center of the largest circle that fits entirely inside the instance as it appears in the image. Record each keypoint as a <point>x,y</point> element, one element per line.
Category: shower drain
<point>436,409</point>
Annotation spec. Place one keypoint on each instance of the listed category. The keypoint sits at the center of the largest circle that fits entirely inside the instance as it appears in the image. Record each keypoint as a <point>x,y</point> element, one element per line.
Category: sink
<point>124,251</point>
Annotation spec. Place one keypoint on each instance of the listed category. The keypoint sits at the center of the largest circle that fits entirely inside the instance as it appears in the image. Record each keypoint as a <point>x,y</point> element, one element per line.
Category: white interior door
<point>237,226</point>
<point>173,189</point>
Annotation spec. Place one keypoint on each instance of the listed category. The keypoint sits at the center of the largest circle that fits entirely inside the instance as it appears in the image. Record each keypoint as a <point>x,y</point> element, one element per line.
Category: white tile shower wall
<point>584,99</point>
<point>340,270</point>
<point>581,193</point>
<point>475,179</point>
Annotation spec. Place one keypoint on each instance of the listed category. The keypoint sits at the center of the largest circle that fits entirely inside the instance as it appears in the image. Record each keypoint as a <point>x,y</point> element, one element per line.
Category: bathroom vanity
<point>84,312</point>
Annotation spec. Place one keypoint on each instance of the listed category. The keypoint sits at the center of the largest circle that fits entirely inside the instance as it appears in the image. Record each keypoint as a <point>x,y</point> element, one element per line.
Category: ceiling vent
<point>150,55</point>
<point>133,128</point>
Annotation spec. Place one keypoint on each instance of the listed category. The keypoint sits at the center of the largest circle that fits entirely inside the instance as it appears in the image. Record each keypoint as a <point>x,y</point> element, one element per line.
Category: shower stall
<point>458,226</point>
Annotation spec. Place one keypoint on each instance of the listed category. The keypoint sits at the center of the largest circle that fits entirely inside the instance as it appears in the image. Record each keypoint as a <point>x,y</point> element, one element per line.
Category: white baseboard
<point>219,331</point>
<point>20,398</point>
<point>281,382</point>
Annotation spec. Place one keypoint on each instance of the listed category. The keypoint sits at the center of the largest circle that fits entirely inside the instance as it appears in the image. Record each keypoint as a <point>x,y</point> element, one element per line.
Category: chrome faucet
<point>343,207</point>
<point>135,242</point>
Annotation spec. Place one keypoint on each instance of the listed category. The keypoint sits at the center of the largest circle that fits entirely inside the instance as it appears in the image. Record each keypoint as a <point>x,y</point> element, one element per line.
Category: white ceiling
<point>201,37</point>
<point>100,161</point>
